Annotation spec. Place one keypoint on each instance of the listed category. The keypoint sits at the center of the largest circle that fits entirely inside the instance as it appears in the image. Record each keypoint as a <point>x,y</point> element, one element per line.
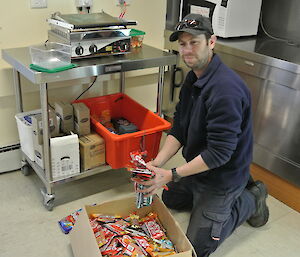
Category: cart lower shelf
<point>48,192</point>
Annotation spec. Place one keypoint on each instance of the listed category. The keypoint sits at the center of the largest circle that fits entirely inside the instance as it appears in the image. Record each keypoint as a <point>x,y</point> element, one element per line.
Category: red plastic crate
<point>118,147</point>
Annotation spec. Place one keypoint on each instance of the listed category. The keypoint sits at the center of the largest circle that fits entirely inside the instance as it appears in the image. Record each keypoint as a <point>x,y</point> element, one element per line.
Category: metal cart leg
<point>18,91</point>
<point>48,199</point>
<point>160,90</point>
<point>122,82</point>
<point>48,194</point>
<point>25,168</point>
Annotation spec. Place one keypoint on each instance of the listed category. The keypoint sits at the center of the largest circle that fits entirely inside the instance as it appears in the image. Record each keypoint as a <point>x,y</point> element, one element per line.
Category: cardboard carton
<point>37,127</point>
<point>64,156</point>
<point>92,151</point>
<point>65,113</point>
<point>83,240</point>
<point>81,119</point>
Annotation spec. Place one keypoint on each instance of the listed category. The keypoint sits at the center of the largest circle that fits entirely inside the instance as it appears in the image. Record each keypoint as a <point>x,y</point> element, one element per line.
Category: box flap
<point>122,207</point>
<point>174,233</point>
<point>82,238</point>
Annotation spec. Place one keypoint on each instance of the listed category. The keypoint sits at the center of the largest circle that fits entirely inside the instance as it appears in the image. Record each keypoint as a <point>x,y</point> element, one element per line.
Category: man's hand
<point>162,177</point>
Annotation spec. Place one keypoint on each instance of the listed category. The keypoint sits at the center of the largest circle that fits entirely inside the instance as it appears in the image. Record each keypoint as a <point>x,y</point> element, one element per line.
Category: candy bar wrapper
<point>153,216</point>
<point>117,228</point>
<point>95,225</point>
<point>135,232</point>
<point>165,244</point>
<point>106,218</point>
<point>153,229</point>
<point>108,234</point>
<point>133,250</point>
<point>125,240</point>
<point>141,200</point>
<point>112,247</point>
<point>100,238</point>
<point>66,224</point>
<point>161,254</point>
<point>137,158</point>
<point>107,245</point>
<point>142,243</point>
<point>133,219</point>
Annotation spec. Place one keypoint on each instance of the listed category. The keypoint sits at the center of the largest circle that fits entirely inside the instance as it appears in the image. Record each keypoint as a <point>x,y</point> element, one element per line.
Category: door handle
<point>174,84</point>
<point>249,63</point>
<point>180,70</point>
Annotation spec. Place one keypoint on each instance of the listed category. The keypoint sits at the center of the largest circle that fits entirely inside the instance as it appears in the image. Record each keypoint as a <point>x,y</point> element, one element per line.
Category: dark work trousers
<point>215,214</point>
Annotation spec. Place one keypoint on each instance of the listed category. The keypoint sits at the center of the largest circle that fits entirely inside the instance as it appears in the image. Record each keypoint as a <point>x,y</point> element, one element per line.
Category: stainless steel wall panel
<point>256,86</point>
<point>281,18</point>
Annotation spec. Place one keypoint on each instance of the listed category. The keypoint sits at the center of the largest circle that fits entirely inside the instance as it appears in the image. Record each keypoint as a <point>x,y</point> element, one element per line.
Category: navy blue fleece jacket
<point>213,119</point>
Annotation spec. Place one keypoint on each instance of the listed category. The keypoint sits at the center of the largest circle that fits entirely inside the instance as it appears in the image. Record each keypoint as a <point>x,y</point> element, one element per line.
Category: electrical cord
<point>87,88</point>
<point>51,106</point>
<point>123,9</point>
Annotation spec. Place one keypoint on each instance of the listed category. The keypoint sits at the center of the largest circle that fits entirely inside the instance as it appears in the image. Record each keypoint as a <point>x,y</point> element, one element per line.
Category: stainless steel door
<point>278,121</point>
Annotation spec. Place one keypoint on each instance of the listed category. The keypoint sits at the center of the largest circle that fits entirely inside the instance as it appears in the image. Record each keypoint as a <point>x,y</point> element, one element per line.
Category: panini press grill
<point>91,35</point>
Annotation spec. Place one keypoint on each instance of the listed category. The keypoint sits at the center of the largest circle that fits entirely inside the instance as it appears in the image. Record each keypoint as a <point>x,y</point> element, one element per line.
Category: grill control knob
<point>79,50</point>
<point>123,46</point>
<point>93,49</point>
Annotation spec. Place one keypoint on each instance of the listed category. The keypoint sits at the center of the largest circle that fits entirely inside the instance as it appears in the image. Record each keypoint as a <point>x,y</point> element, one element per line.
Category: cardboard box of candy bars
<point>83,241</point>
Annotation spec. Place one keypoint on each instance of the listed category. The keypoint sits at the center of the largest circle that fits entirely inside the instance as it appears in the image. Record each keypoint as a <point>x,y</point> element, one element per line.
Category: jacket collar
<point>209,71</point>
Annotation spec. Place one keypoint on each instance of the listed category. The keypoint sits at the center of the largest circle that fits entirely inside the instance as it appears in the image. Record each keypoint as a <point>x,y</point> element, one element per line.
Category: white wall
<point>21,26</point>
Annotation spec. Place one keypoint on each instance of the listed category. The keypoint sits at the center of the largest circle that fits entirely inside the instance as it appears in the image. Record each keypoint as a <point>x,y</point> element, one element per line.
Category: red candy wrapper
<point>153,229</point>
<point>66,224</point>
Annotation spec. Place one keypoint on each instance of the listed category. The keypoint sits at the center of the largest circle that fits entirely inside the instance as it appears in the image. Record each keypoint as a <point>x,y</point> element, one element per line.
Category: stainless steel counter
<point>271,69</point>
<point>139,58</point>
<point>268,51</point>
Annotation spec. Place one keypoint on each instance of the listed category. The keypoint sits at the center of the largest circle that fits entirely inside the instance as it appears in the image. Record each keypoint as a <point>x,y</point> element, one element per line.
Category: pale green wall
<point>21,26</point>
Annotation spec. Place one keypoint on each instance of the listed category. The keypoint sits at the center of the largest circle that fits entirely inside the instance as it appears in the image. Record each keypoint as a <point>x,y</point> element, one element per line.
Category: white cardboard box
<point>83,240</point>
<point>25,133</point>
<point>65,156</point>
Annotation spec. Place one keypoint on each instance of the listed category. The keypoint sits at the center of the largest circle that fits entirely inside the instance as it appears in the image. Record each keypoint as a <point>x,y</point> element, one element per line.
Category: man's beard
<point>201,64</point>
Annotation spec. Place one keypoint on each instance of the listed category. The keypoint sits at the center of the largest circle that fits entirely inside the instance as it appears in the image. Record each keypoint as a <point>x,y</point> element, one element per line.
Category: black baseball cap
<point>195,24</point>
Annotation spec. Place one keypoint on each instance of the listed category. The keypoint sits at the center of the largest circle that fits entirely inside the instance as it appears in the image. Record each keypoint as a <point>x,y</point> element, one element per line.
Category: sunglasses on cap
<point>191,24</point>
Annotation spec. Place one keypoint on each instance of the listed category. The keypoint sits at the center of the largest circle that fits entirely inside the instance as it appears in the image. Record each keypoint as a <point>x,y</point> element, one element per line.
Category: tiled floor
<point>27,229</point>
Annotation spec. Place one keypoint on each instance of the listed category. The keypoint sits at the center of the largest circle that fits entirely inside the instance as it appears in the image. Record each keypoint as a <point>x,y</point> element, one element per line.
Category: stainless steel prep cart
<point>19,59</point>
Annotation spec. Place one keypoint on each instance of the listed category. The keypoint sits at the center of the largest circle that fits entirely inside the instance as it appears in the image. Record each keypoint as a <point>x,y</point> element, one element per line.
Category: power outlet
<point>38,3</point>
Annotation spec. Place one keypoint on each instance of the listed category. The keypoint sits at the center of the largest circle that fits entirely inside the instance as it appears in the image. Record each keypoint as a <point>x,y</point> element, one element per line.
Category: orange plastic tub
<point>118,147</point>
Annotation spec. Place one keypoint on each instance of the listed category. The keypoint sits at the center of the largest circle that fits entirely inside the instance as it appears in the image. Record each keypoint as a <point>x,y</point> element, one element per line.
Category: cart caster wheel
<point>25,170</point>
<point>48,200</point>
<point>49,205</point>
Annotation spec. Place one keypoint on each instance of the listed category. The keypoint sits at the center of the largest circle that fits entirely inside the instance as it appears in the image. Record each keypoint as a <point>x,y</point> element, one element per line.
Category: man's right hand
<point>162,177</point>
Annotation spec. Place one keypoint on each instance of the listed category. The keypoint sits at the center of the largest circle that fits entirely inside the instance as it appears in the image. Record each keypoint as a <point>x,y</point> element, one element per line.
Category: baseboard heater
<point>10,158</point>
